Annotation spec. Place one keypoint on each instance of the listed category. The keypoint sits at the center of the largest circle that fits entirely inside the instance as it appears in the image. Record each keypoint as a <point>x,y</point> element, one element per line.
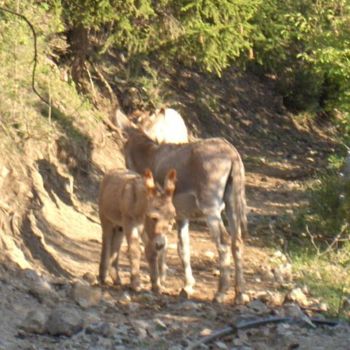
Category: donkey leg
<point>183,248</point>
<point>107,235</point>
<point>222,241</point>
<point>237,252</point>
<point>117,241</point>
<point>132,235</point>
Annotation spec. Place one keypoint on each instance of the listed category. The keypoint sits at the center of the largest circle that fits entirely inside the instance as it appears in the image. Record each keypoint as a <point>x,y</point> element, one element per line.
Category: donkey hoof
<point>219,298</point>
<point>135,284</point>
<point>186,293</point>
<point>117,281</point>
<point>157,290</point>
<point>242,298</point>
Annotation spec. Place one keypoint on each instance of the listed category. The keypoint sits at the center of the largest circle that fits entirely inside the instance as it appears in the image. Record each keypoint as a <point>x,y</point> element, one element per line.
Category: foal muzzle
<point>159,242</point>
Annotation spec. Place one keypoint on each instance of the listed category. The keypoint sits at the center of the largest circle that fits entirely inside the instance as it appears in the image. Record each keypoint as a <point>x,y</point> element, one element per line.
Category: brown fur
<point>129,204</point>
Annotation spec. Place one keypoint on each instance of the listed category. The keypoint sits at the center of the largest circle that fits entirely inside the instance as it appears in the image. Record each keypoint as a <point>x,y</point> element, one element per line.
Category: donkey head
<point>160,213</point>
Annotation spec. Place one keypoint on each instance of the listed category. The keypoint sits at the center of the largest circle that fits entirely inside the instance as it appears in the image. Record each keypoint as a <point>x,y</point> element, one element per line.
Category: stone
<point>160,324</point>
<point>91,318</point>
<point>125,298</point>
<point>140,327</point>
<point>294,311</point>
<point>205,332</point>
<point>220,345</point>
<point>275,298</point>
<point>64,320</point>
<point>133,307</point>
<point>35,322</point>
<point>85,295</point>
<point>297,295</point>
<point>42,290</point>
<point>105,329</point>
<point>258,306</point>
<point>90,278</point>
<point>283,273</point>
<point>210,254</point>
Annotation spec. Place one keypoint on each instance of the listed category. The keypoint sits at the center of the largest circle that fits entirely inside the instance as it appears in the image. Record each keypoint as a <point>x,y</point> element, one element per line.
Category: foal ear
<point>162,111</point>
<point>149,182</point>
<point>169,183</point>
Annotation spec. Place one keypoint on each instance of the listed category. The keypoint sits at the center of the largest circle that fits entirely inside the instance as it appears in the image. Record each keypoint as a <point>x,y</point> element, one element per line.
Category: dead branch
<point>250,324</point>
<point>336,240</point>
<point>312,239</point>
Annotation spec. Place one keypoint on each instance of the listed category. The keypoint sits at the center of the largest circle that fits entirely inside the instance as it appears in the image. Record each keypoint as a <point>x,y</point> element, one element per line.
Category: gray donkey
<point>210,178</point>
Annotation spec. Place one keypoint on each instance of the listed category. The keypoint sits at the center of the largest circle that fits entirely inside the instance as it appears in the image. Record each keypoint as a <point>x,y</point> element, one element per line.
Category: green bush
<point>328,213</point>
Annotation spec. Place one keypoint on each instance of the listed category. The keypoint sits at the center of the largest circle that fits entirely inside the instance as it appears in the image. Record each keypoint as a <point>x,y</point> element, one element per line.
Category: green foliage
<point>206,33</point>
<point>328,213</point>
<point>307,45</point>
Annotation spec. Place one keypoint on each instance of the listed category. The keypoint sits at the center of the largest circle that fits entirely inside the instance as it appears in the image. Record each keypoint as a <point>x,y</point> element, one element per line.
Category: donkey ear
<point>169,183</point>
<point>149,182</point>
<point>121,120</point>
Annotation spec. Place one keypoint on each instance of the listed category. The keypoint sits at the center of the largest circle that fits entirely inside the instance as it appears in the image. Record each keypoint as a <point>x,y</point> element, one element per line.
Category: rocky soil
<point>50,239</point>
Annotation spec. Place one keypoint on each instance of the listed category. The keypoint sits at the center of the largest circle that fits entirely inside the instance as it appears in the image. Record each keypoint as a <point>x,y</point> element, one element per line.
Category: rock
<point>205,332</point>
<point>189,306</point>
<point>125,298</point>
<point>42,290</point>
<point>243,299</point>
<point>266,273</point>
<point>283,273</point>
<point>297,295</point>
<point>283,329</point>
<point>140,327</point>
<point>90,278</point>
<point>275,298</point>
<point>278,255</point>
<point>210,254</point>
<point>258,306</point>
<point>220,345</point>
<point>85,295</point>
<point>160,324</point>
<point>104,329</point>
<point>133,307</point>
<point>64,320</point>
<point>35,322</point>
<point>91,318</point>
<point>293,310</point>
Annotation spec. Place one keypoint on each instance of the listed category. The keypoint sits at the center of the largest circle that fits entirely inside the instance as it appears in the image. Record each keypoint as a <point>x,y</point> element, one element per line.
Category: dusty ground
<point>59,241</point>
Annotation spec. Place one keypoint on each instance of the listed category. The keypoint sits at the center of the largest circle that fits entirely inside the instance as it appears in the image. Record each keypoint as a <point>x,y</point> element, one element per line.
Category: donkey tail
<point>238,195</point>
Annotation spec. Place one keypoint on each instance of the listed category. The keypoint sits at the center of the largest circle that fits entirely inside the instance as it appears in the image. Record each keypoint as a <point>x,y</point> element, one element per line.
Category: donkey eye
<point>153,218</point>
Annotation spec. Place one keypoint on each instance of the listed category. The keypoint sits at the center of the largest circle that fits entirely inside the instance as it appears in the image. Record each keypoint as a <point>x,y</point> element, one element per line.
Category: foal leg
<point>152,258</point>
<point>107,236</point>
<point>183,249</point>
<point>117,241</point>
<point>222,241</point>
<point>132,236</point>
<point>162,266</point>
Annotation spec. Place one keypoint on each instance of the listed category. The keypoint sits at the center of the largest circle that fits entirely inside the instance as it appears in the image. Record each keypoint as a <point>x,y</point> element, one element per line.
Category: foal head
<point>160,212</point>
